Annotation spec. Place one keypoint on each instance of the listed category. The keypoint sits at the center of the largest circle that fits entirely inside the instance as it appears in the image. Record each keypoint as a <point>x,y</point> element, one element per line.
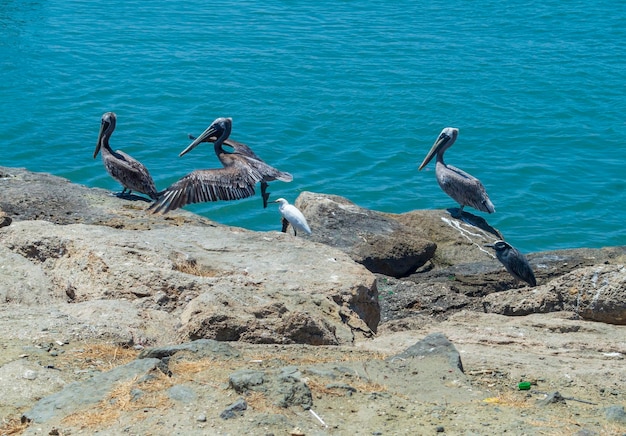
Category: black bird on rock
<point>514,262</point>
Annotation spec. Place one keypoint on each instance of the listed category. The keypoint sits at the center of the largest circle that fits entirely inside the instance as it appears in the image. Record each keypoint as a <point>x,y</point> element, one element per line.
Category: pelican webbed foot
<point>127,194</point>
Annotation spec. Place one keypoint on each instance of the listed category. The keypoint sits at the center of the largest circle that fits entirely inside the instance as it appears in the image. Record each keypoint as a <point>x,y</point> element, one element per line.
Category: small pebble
<point>29,374</point>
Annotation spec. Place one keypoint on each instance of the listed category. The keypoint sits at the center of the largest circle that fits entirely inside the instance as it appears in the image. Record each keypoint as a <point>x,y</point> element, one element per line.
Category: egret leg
<point>285,225</point>
<point>264,195</point>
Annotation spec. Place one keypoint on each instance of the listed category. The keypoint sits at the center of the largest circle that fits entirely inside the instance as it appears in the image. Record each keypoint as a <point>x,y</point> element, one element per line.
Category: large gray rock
<point>596,293</point>
<point>373,239</point>
<point>25,195</point>
<point>442,290</point>
<point>214,281</point>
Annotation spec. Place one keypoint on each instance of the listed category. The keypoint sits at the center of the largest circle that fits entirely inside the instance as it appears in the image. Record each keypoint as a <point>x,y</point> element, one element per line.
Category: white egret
<point>291,215</point>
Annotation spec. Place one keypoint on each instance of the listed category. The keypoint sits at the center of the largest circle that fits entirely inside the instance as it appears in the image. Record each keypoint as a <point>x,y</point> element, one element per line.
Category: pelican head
<point>107,125</point>
<point>217,132</point>
<point>444,141</point>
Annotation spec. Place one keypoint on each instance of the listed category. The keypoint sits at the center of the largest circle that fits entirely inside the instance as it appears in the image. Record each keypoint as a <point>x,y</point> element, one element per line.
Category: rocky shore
<point>114,321</point>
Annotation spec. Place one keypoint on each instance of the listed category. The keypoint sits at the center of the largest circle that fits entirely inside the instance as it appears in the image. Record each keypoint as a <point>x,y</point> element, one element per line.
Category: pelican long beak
<point>489,245</point>
<point>440,142</point>
<point>206,136</point>
<point>99,144</point>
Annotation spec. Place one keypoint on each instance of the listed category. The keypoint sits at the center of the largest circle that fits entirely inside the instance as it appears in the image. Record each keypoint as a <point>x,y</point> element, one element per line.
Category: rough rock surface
<point>595,293</point>
<point>99,281</point>
<point>5,220</point>
<point>214,282</point>
<point>380,243</point>
<point>25,195</point>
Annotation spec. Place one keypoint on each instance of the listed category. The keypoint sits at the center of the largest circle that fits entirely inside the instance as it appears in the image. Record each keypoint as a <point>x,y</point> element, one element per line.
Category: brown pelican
<point>129,172</point>
<point>514,262</point>
<point>242,170</point>
<point>464,188</point>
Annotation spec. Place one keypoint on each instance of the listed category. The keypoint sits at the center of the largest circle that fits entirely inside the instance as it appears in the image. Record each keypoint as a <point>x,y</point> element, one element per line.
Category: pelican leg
<point>264,195</point>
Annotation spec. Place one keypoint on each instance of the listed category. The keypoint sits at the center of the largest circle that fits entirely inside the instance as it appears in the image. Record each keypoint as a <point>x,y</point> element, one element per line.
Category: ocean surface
<point>348,96</point>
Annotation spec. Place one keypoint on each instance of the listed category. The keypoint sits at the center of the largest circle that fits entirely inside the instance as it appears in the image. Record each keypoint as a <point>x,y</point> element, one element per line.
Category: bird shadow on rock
<point>131,197</point>
<point>474,220</point>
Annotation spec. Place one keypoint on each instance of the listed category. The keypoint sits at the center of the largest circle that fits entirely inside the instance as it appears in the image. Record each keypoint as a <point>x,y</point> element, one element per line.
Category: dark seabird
<point>242,169</point>
<point>514,262</point>
<point>129,172</point>
<point>292,215</point>
<point>464,188</point>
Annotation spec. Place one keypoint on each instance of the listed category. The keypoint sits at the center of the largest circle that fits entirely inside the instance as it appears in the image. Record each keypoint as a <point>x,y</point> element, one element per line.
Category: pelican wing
<point>464,188</point>
<point>131,173</point>
<point>231,183</point>
<point>268,172</point>
<point>242,149</point>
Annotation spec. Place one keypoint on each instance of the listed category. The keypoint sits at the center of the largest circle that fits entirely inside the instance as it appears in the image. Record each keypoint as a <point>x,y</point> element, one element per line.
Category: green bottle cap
<point>524,386</point>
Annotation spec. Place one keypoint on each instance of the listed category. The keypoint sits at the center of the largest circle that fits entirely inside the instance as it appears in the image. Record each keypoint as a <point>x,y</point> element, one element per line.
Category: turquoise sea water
<point>347,96</point>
